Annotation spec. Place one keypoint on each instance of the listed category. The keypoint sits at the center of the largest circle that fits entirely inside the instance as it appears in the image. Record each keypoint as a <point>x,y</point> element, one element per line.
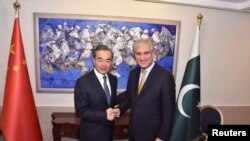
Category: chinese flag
<point>19,116</point>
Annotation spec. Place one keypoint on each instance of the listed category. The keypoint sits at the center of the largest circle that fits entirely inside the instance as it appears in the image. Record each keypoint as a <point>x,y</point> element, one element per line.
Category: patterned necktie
<point>143,74</point>
<point>106,89</point>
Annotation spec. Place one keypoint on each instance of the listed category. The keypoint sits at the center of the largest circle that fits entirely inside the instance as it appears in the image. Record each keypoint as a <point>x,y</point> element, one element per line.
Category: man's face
<point>143,55</point>
<point>103,61</point>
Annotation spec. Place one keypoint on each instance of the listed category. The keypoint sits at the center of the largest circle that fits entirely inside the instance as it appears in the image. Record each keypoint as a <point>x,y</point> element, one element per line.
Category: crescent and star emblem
<point>183,92</point>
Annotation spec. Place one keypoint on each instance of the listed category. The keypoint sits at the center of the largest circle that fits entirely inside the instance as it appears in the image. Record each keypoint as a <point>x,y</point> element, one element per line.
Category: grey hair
<point>144,41</point>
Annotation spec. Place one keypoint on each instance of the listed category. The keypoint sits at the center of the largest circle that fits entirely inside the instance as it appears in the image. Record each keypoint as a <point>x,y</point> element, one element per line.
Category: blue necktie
<point>106,89</point>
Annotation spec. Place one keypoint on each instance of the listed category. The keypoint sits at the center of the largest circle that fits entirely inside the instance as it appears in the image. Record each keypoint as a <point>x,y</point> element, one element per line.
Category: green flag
<point>187,115</point>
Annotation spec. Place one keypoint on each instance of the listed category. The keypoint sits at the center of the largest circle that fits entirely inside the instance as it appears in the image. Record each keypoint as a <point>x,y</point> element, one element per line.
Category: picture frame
<point>64,44</point>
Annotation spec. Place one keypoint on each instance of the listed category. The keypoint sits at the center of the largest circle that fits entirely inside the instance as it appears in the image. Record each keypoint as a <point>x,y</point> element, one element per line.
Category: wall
<point>224,47</point>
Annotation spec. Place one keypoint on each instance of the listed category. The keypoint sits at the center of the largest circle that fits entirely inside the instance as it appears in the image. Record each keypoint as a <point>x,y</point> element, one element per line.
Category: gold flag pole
<point>199,20</point>
<point>17,6</point>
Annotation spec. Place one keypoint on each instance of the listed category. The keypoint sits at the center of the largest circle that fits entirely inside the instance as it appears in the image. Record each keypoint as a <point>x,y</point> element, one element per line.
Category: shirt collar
<point>99,75</point>
<point>148,69</point>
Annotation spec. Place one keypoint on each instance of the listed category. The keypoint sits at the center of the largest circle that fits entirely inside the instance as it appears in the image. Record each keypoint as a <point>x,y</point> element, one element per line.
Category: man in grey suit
<point>95,96</point>
<point>150,95</point>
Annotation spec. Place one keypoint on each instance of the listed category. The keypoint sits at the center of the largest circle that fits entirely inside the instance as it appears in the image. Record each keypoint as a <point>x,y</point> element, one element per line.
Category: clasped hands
<point>112,113</point>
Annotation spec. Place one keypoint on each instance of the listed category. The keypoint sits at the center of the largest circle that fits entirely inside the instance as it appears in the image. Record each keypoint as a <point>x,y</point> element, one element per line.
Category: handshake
<point>112,113</point>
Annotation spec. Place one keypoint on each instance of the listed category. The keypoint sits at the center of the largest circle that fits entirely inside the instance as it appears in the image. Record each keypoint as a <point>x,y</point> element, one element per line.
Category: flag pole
<point>19,115</point>
<point>17,6</point>
<point>187,120</point>
<point>199,20</point>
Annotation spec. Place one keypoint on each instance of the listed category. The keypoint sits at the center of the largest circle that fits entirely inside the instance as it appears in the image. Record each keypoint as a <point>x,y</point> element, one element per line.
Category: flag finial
<point>199,19</point>
<point>17,6</point>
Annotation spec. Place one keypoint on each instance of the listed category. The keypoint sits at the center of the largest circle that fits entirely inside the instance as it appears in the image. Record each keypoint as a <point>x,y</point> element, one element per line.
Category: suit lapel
<point>99,90</point>
<point>150,78</point>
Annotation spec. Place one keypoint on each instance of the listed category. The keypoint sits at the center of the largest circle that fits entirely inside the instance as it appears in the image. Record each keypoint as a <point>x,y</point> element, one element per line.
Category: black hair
<point>101,47</point>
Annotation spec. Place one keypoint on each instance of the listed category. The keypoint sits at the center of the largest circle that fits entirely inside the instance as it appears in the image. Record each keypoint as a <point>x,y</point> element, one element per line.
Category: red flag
<point>19,116</point>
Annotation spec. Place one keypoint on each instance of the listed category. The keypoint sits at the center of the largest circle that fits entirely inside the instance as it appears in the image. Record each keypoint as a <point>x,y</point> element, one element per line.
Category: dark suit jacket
<point>152,111</point>
<point>91,105</point>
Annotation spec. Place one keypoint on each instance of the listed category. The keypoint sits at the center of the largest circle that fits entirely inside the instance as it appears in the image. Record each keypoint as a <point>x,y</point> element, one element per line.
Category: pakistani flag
<point>187,115</point>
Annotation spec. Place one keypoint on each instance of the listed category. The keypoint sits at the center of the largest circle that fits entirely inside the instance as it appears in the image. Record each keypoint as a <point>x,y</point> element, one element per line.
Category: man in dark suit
<point>95,95</point>
<point>150,95</point>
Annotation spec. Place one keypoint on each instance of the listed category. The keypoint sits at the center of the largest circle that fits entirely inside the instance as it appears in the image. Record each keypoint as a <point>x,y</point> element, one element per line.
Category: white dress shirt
<point>100,78</point>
